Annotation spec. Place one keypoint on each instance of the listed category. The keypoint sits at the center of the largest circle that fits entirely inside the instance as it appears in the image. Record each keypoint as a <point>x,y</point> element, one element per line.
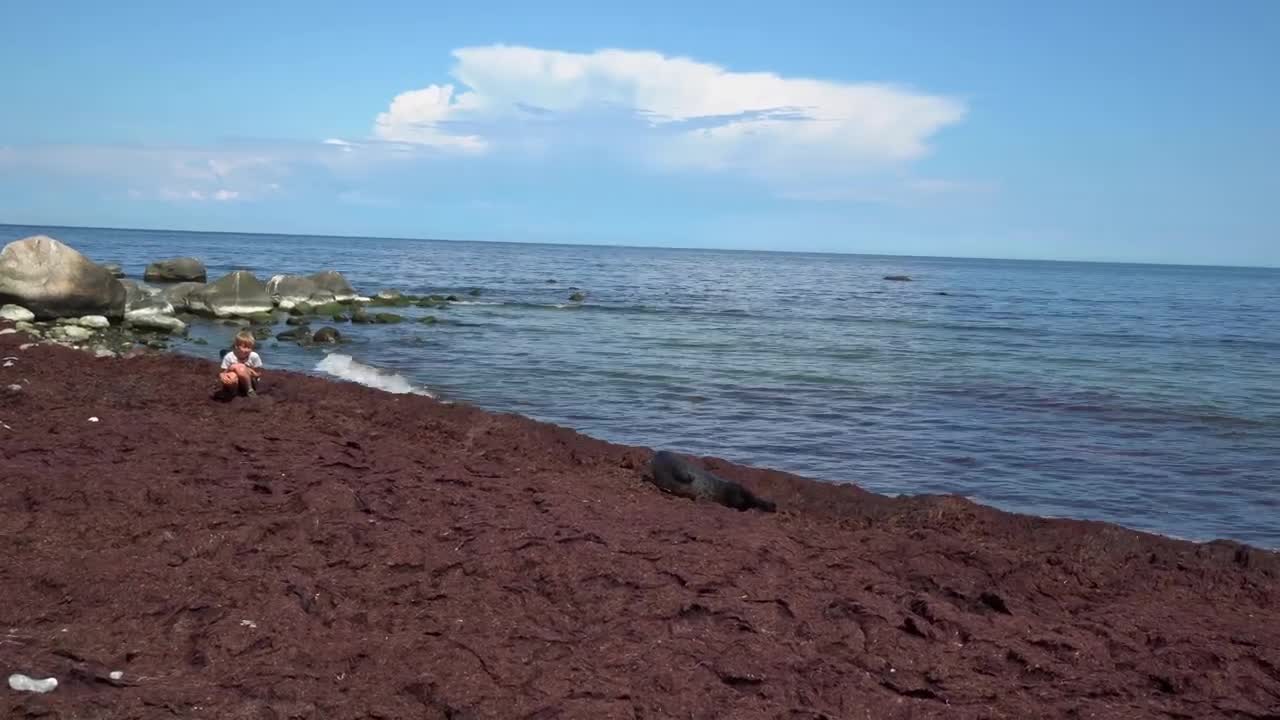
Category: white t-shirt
<point>230,359</point>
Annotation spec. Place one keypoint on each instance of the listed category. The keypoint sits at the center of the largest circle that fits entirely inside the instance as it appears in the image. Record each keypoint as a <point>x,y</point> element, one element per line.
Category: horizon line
<point>1154,263</point>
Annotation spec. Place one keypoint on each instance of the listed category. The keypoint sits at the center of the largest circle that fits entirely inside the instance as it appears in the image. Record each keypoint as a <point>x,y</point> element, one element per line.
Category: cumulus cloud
<point>697,115</point>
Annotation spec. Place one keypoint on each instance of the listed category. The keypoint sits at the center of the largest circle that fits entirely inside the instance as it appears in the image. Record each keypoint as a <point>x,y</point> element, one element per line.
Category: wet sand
<point>331,551</point>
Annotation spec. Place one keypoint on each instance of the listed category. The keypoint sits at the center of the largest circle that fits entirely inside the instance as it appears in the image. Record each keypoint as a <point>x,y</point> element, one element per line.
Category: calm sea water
<point>1143,395</point>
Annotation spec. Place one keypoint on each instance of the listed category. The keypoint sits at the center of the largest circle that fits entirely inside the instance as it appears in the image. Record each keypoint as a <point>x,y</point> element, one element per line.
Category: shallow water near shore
<point>1143,395</point>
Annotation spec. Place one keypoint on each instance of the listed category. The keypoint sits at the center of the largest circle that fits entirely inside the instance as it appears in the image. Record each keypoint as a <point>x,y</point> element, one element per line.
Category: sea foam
<point>348,368</point>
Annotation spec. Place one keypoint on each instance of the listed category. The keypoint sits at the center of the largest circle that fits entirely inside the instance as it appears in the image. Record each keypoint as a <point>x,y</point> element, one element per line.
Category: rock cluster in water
<point>54,293</point>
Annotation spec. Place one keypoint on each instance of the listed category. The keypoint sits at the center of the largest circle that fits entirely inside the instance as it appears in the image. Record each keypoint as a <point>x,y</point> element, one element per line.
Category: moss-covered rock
<point>329,309</point>
<point>360,315</point>
<point>577,297</point>
<point>296,320</point>
<point>304,308</point>
<point>387,318</point>
<point>263,318</point>
<point>428,320</point>
<point>327,335</point>
<point>262,332</point>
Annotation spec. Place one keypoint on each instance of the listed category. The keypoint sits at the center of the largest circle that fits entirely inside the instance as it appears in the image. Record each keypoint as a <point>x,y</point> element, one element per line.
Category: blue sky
<point>1135,131</point>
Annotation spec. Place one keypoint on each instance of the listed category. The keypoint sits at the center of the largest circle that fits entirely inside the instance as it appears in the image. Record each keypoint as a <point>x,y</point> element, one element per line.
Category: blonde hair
<point>244,337</point>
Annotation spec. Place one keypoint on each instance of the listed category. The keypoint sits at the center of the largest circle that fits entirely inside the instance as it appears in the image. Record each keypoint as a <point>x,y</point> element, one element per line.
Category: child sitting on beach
<point>241,367</point>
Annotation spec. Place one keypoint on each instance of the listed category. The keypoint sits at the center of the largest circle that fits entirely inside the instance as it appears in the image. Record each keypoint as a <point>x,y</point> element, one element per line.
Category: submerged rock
<point>387,318</point>
<point>53,280</point>
<point>327,335</point>
<point>898,278</point>
<point>428,320</point>
<point>296,320</point>
<point>181,269</point>
<point>577,297</point>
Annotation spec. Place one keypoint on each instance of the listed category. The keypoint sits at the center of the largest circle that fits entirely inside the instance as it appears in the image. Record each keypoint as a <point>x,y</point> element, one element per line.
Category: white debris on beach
<point>22,683</point>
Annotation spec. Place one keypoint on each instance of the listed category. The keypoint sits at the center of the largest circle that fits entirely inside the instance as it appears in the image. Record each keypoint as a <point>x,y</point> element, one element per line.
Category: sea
<point>1144,395</point>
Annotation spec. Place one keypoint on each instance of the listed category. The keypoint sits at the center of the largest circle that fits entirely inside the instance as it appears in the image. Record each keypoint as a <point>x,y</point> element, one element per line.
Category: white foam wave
<point>348,368</point>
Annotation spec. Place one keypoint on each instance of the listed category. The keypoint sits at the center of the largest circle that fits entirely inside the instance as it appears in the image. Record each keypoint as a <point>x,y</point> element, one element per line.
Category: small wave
<point>477,302</point>
<point>348,368</point>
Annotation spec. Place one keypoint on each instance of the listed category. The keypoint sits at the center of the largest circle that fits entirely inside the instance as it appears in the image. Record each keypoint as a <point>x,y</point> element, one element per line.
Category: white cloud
<point>697,115</point>
<point>899,191</point>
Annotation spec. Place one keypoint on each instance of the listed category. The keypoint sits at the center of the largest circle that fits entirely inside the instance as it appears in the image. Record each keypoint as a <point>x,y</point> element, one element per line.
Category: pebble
<point>93,419</point>
<point>115,675</point>
<point>22,683</point>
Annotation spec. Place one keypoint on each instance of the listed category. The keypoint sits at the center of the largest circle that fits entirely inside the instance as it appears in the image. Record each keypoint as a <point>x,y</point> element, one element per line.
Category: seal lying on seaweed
<point>678,476</point>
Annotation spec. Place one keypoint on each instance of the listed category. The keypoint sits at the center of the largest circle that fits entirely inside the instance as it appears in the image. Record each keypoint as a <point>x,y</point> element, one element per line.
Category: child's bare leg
<point>229,379</point>
<point>244,378</point>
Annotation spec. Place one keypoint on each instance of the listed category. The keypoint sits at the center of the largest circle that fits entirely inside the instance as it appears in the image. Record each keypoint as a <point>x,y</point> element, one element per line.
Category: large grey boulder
<point>289,290</point>
<point>154,304</point>
<point>54,280</point>
<point>178,295</point>
<point>182,269</point>
<point>239,293</point>
<point>332,281</point>
<point>136,292</point>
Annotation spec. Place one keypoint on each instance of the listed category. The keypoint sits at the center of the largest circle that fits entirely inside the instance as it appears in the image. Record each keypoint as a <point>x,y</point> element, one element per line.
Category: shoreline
<point>626,246</point>
<point>354,551</point>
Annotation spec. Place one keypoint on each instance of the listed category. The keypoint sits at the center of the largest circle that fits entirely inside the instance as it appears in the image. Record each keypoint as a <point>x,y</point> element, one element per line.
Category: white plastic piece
<point>93,419</point>
<point>22,683</point>
<point>115,674</point>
